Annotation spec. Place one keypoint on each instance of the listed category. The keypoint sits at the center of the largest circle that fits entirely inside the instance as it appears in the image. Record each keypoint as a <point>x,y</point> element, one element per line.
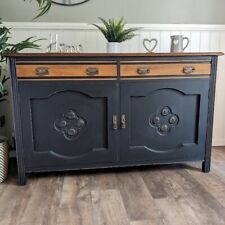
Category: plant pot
<point>113,47</point>
<point>4,157</point>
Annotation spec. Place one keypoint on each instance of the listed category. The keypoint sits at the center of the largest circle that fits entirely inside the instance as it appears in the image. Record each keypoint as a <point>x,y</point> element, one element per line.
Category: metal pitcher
<point>177,43</point>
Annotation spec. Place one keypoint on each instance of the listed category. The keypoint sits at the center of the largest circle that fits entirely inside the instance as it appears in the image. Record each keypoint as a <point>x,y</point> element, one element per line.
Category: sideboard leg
<point>22,179</point>
<point>206,166</point>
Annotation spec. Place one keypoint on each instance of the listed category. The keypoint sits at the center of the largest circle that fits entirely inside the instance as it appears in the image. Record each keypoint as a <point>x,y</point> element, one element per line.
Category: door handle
<point>123,121</point>
<point>114,122</point>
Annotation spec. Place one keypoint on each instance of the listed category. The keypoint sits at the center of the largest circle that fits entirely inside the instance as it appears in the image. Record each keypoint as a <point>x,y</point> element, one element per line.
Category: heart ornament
<point>148,42</point>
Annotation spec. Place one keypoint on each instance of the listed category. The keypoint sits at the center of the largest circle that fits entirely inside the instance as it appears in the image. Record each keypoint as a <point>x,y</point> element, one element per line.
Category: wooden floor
<point>158,195</point>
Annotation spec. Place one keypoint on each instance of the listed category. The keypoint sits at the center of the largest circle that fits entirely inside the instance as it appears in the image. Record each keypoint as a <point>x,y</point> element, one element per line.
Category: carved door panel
<point>166,120</point>
<point>67,124</point>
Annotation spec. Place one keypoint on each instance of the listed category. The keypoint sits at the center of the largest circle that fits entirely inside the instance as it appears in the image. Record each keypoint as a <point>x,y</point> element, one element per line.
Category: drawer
<point>48,70</point>
<point>167,69</point>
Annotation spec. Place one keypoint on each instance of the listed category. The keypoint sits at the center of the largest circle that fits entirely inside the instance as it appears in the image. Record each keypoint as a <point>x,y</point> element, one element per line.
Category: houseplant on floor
<point>3,140</point>
<point>115,33</point>
<point>7,47</point>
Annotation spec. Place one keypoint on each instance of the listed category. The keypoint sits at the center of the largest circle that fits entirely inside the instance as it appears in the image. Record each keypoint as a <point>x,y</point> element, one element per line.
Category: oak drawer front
<point>171,69</point>
<point>90,70</point>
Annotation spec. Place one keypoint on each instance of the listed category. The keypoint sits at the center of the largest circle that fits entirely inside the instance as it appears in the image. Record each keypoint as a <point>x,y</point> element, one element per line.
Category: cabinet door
<point>67,124</point>
<point>166,120</point>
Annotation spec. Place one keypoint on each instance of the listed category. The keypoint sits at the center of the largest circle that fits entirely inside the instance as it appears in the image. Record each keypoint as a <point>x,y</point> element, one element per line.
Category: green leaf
<point>1,89</point>
<point>114,31</point>
<point>28,43</point>
<point>102,29</point>
<point>3,100</point>
<point>127,34</point>
<point>43,6</point>
<point>4,79</point>
<point>6,47</point>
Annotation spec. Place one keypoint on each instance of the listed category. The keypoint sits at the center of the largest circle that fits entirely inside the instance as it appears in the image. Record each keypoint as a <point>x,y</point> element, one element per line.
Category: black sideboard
<point>83,111</point>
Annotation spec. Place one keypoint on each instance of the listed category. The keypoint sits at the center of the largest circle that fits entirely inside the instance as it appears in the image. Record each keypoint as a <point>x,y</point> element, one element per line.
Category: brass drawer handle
<point>42,71</point>
<point>143,71</point>
<point>188,69</point>
<point>114,122</point>
<point>123,121</point>
<point>91,71</point>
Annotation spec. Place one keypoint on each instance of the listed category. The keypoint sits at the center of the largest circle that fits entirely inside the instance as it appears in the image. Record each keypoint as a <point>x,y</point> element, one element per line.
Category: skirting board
<point>218,142</point>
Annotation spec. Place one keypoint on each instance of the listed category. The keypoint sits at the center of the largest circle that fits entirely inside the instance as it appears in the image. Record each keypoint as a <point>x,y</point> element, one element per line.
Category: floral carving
<point>164,121</point>
<point>70,125</point>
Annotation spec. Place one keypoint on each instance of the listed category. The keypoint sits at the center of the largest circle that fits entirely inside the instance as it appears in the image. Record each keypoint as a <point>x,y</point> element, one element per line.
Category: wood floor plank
<point>103,181</point>
<point>180,205</point>
<point>76,204</point>
<point>148,222</point>
<point>21,203</point>
<point>173,212</point>
<point>217,169</point>
<point>11,181</point>
<point>153,179</point>
<point>39,197</point>
<point>108,208</point>
<point>218,154</point>
<point>181,185</point>
<point>52,207</point>
<point>212,184</point>
<point>158,195</point>
<point>137,200</point>
<point>9,201</point>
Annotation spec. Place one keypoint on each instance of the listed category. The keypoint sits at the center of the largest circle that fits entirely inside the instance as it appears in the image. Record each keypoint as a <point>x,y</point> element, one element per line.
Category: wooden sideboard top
<point>18,55</point>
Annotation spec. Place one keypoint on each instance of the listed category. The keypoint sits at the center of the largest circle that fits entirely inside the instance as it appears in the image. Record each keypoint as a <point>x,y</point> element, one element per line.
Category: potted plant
<point>7,47</point>
<point>115,33</point>
<point>3,140</point>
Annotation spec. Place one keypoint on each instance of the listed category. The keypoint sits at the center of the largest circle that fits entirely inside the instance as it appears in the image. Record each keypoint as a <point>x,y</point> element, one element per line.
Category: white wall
<point>202,38</point>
